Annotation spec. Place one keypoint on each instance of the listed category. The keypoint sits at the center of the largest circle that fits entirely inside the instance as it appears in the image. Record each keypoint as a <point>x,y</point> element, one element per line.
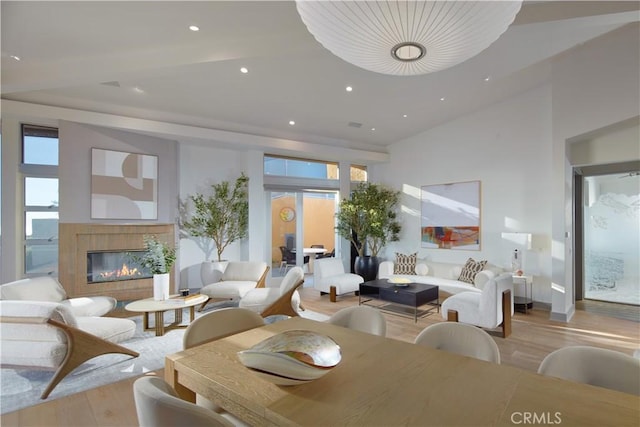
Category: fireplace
<point>110,266</point>
<point>99,259</point>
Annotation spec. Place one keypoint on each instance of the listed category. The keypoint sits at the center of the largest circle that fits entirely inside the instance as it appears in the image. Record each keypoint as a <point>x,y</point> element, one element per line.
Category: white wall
<point>595,86</point>
<point>200,167</point>
<point>506,147</point>
<point>76,142</point>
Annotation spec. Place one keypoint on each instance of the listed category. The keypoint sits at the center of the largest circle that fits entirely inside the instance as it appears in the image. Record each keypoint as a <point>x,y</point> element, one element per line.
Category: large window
<point>39,170</point>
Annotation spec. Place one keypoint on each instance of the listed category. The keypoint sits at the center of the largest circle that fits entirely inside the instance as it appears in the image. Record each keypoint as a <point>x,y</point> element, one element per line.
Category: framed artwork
<point>287,214</point>
<point>450,216</point>
<point>123,185</point>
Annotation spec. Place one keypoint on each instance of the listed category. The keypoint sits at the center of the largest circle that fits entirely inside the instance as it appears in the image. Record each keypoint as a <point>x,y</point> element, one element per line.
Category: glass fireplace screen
<point>115,266</point>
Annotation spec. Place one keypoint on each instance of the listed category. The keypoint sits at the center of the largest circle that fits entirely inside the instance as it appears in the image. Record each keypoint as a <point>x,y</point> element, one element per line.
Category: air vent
<point>114,84</point>
<point>355,125</point>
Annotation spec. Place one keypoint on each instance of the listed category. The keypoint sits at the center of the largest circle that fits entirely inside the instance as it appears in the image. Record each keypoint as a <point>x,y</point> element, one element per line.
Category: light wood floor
<point>533,337</point>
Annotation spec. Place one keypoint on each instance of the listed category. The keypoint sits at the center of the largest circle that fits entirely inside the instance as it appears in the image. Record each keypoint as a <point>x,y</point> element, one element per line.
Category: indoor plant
<point>158,258</point>
<point>368,220</point>
<point>222,216</point>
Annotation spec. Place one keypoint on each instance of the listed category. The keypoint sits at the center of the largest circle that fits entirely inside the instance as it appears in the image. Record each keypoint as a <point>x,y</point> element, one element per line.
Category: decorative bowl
<point>292,357</point>
<point>399,281</point>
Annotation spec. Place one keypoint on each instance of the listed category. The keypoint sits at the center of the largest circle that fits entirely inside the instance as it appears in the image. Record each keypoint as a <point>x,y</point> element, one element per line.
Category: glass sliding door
<point>611,237</point>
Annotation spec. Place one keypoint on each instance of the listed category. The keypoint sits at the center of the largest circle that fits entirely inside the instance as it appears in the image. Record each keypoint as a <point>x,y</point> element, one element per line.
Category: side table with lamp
<point>524,302</point>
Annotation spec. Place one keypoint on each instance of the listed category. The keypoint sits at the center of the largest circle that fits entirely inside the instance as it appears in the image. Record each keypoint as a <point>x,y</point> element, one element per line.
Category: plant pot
<point>211,271</point>
<point>161,286</point>
<point>367,267</point>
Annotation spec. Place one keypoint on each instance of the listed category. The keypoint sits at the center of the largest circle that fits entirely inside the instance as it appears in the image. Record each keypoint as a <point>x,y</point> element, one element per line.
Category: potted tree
<point>368,220</point>
<point>222,216</point>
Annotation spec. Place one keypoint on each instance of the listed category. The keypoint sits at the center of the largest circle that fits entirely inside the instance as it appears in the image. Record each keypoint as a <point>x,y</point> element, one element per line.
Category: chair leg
<point>204,304</point>
<point>506,313</point>
<point>332,293</point>
<point>452,316</point>
<point>81,346</point>
<point>283,304</point>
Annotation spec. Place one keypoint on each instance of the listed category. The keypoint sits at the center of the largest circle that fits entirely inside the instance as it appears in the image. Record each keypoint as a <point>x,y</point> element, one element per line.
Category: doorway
<point>607,209</point>
<point>302,228</point>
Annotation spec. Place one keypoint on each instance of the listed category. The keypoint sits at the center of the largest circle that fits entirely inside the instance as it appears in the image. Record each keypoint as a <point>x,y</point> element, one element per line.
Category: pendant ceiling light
<point>406,37</point>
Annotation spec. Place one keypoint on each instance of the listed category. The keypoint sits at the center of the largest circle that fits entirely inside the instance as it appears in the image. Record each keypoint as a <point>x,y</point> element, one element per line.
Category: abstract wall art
<point>450,217</point>
<point>123,185</point>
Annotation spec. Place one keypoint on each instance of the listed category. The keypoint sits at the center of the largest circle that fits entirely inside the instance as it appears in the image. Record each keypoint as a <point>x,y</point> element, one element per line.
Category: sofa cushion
<point>229,289</point>
<point>90,306</point>
<point>109,328</point>
<point>405,264</point>
<point>470,269</point>
<point>44,288</point>
<point>244,271</point>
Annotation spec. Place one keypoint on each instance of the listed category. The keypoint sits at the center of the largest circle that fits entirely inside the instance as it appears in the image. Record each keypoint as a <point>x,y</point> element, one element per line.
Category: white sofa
<point>444,275</point>
<point>47,288</point>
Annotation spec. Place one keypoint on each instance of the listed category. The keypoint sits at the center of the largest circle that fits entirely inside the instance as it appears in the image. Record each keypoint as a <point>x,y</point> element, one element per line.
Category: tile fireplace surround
<point>78,239</point>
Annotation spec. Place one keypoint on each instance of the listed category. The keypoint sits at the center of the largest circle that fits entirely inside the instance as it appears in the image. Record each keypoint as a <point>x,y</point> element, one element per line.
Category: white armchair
<point>283,299</point>
<point>46,288</point>
<point>47,335</point>
<point>489,309</point>
<point>329,277</point>
<point>238,278</point>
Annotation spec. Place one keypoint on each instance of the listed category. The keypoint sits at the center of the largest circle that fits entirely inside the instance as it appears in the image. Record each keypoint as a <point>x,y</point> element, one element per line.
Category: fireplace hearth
<point>96,259</point>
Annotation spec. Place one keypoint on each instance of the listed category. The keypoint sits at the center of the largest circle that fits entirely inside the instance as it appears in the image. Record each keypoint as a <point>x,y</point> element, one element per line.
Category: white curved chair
<point>215,325</point>
<point>596,366</point>
<point>330,278</point>
<point>361,318</point>
<point>44,334</point>
<point>238,278</point>
<point>157,405</point>
<point>283,299</point>
<point>459,338</point>
<point>489,309</point>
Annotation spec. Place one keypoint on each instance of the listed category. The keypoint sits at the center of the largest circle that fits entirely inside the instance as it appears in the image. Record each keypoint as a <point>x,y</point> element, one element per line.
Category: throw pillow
<point>405,264</point>
<point>470,269</point>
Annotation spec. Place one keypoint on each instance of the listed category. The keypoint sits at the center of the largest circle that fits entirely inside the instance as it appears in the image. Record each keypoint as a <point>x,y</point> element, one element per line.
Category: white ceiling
<point>69,50</point>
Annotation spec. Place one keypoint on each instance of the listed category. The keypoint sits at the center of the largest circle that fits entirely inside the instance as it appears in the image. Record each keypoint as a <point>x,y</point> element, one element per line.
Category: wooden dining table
<point>386,382</point>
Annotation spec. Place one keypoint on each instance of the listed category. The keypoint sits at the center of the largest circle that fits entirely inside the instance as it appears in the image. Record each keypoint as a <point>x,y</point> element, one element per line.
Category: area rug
<point>20,388</point>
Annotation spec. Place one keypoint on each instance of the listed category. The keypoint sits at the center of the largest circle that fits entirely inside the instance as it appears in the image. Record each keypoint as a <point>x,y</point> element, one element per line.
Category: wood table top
<point>382,381</point>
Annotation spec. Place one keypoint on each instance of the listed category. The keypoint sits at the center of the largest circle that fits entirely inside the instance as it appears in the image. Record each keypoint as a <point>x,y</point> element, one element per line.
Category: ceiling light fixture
<point>349,89</point>
<point>486,79</point>
<point>244,70</point>
<point>407,37</point>
<point>291,122</point>
<point>17,58</point>
<point>442,99</point>
<point>194,28</point>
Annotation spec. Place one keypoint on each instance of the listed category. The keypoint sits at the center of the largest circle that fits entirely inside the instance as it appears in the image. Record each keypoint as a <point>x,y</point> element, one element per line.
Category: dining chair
<point>460,338</point>
<point>158,405</point>
<point>596,366</point>
<point>361,318</point>
<point>215,325</point>
<point>289,259</point>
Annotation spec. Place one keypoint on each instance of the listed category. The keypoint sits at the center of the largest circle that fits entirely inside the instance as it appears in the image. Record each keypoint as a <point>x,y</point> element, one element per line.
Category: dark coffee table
<point>404,299</point>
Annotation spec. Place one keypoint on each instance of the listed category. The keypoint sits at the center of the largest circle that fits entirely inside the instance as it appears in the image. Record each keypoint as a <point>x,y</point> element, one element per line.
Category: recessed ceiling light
<point>17,58</point>
<point>348,88</point>
<point>138,90</point>
<point>442,99</point>
<point>194,28</point>
<point>373,129</point>
<point>404,115</point>
<point>486,79</point>
<point>244,70</point>
<point>291,122</point>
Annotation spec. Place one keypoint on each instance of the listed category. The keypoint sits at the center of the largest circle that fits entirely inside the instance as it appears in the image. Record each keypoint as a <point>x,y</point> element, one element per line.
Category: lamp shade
<point>406,37</point>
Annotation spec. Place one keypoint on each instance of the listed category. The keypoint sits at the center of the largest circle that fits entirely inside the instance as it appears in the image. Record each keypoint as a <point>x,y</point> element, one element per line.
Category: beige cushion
<point>405,264</point>
<point>470,269</point>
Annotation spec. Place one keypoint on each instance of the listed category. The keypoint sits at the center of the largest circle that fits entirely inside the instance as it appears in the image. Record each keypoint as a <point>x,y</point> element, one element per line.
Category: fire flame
<point>124,271</point>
